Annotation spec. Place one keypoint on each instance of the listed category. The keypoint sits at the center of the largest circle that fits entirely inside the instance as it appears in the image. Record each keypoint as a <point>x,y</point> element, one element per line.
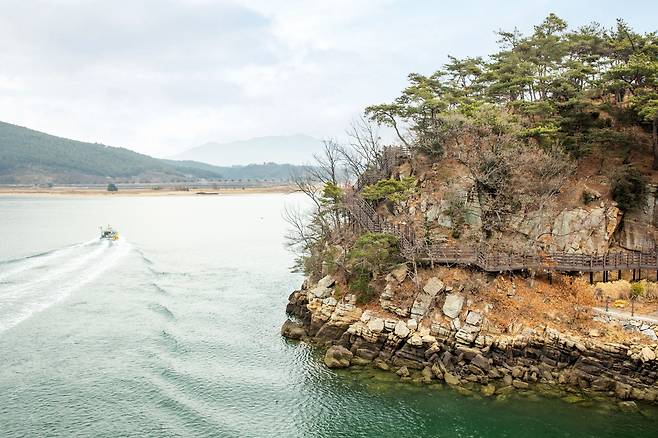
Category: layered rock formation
<point>462,349</point>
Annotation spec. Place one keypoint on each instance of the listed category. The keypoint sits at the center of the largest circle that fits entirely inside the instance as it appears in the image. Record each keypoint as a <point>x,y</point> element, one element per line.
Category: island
<point>506,240</point>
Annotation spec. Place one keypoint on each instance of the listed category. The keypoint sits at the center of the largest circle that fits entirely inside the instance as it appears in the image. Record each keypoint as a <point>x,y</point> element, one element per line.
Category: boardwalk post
<point>363,216</point>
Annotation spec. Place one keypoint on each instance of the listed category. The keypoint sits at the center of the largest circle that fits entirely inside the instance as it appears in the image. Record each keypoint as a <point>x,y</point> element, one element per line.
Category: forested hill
<point>32,157</point>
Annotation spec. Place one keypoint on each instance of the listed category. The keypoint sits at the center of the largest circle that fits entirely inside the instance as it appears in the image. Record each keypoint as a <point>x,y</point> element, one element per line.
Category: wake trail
<point>35,296</point>
<point>10,268</point>
<point>55,272</point>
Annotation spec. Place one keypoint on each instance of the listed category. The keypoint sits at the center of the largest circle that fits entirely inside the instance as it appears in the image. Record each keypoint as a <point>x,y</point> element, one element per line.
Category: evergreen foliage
<point>390,189</point>
<point>556,86</point>
<point>371,254</point>
<point>629,188</point>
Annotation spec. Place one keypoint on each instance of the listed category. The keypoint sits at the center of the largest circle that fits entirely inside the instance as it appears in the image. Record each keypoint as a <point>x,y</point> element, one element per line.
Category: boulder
<point>401,330</point>
<point>425,297</point>
<point>427,374</point>
<point>376,325</point>
<point>399,273</point>
<point>451,379</point>
<point>416,340</point>
<point>481,362</point>
<point>520,384</point>
<point>293,330</point>
<point>337,356</point>
<point>473,318</point>
<point>323,288</point>
<point>437,370</point>
<point>647,354</point>
<point>433,286</point>
<point>389,324</point>
<point>453,305</point>
<point>327,281</point>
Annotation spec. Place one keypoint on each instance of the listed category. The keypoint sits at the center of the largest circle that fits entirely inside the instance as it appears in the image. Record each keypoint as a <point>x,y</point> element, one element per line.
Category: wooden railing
<point>491,261</point>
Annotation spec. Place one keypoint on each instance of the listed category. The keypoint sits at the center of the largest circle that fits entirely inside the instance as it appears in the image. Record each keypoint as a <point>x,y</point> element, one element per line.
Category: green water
<point>174,331</point>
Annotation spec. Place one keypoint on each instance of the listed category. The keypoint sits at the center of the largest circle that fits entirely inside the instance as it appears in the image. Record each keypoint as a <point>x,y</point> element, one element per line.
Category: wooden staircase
<point>363,214</point>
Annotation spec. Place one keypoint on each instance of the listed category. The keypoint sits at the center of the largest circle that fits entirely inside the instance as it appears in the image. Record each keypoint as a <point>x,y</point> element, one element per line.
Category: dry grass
<point>564,305</point>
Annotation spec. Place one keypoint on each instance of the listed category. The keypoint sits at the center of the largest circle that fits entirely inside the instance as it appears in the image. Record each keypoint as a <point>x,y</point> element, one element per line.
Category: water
<point>174,331</point>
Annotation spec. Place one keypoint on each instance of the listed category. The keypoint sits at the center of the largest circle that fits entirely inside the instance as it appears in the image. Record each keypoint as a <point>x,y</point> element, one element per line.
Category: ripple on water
<point>161,310</point>
<point>158,288</point>
<point>120,365</point>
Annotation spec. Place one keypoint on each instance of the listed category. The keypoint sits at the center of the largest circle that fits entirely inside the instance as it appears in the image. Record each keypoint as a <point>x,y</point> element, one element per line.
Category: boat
<point>109,233</point>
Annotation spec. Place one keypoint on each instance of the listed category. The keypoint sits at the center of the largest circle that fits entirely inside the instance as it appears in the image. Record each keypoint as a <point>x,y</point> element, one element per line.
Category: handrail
<point>367,217</point>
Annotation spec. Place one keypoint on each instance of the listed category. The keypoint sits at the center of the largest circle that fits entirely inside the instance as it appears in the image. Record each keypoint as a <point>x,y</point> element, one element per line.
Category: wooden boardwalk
<point>412,248</point>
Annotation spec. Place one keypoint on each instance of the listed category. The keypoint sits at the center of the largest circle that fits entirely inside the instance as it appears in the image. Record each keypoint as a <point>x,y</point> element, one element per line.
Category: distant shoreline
<point>140,191</point>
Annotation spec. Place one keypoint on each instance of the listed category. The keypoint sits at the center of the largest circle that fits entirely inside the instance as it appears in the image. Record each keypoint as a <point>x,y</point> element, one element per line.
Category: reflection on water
<point>175,332</point>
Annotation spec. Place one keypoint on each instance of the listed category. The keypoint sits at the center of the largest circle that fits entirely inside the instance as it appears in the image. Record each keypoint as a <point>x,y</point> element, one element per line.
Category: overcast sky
<point>161,76</point>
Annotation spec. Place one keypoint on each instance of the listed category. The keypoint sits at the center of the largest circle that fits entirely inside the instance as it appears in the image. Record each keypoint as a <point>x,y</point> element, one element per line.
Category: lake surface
<point>174,331</point>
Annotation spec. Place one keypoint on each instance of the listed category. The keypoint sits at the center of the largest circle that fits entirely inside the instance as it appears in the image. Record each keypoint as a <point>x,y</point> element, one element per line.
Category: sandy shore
<point>82,191</point>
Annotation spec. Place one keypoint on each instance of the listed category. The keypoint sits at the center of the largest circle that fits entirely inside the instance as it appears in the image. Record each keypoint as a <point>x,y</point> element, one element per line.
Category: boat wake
<point>32,284</point>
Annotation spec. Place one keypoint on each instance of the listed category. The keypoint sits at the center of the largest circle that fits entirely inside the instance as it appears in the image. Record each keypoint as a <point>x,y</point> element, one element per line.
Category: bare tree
<point>364,149</point>
<point>323,177</point>
<point>327,166</point>
<point>510,178</point>
<point>304,235</point>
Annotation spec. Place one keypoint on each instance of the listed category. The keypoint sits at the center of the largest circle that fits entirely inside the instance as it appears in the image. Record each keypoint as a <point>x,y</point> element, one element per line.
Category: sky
<point>162,76</point>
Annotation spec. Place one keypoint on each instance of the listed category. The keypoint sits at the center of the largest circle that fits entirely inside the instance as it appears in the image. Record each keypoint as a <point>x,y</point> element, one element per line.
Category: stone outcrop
<point>293,330</point>
<point>465,354</point>
<point>425,297</point>
<point>585,230</point>
<point>337,357</point>
<point>453,305</point>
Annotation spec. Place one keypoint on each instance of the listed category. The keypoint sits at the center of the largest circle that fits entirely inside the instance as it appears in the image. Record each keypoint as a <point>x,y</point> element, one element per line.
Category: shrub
<point>375,252</point>
<point>637,290</point>
<point>390,189</point>
<point>629,187</point>
<point>111,187</point>
<point>331,193</point>
<point>371,254</point>
<point>360,286</point>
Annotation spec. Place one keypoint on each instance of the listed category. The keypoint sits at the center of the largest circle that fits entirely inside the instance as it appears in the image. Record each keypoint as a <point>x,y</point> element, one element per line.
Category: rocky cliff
<point>448,337</point>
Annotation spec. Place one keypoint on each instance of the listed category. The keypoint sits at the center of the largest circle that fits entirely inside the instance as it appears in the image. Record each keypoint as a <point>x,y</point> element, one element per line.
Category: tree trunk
<point>655,143</point>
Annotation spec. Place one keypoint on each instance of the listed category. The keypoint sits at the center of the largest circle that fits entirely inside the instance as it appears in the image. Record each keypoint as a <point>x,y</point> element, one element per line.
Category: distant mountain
<point>32,157</point>
<point>294,149</point>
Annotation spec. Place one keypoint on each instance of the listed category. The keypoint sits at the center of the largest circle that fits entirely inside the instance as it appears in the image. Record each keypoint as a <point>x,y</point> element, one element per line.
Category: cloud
<point>160,76</point>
